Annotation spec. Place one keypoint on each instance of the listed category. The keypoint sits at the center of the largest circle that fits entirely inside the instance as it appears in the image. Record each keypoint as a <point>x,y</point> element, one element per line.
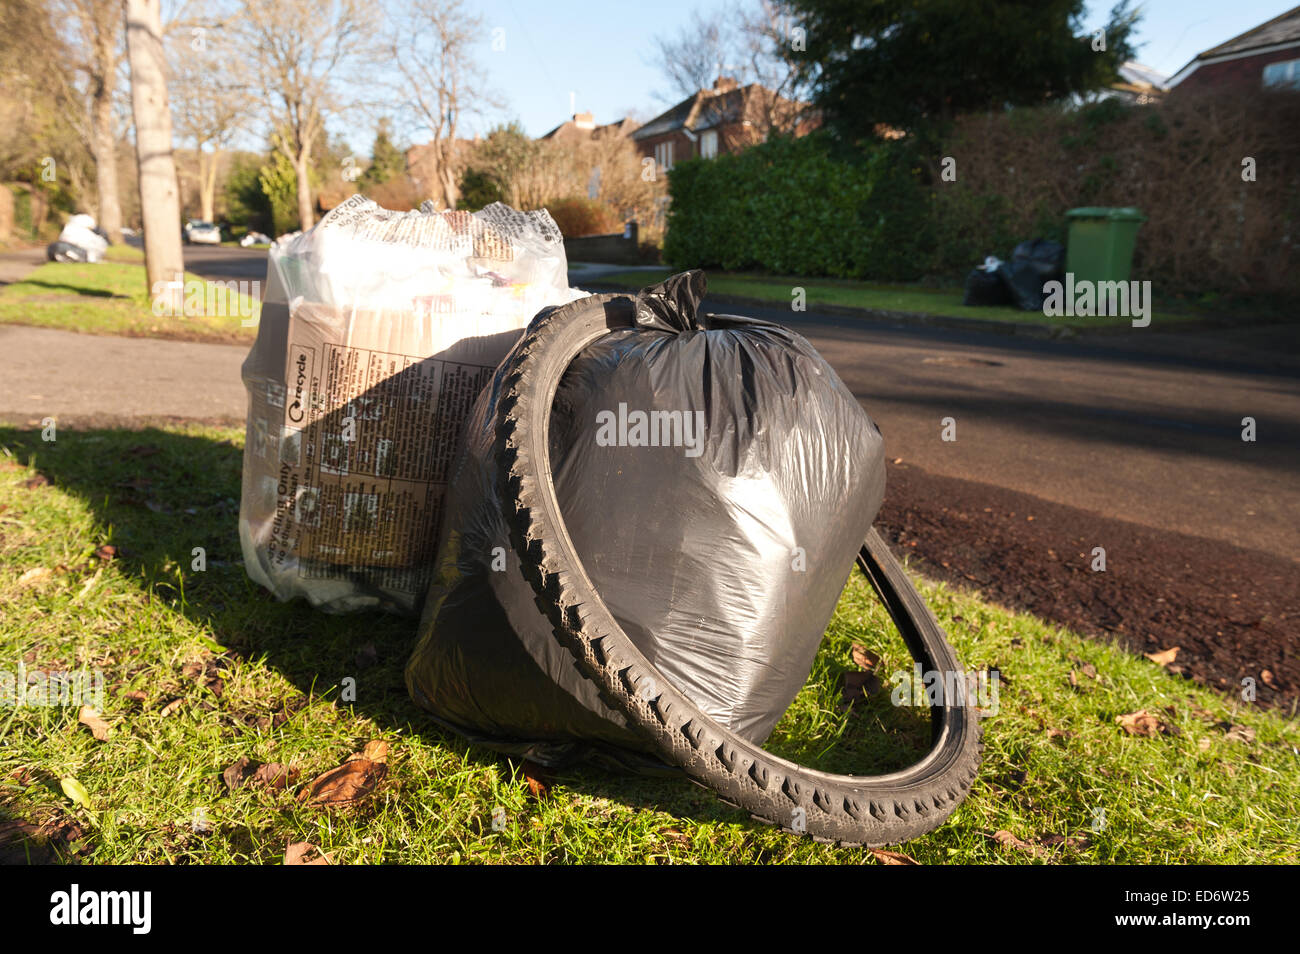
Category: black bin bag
<point>717,479</point>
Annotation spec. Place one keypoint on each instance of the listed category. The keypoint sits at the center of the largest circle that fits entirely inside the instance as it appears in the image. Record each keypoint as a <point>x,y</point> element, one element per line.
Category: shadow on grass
<point>88,291</point>
<point>162,493</point>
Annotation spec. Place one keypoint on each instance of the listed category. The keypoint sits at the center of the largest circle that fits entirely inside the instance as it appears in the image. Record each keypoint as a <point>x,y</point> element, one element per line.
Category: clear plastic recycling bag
<point>378,331</point>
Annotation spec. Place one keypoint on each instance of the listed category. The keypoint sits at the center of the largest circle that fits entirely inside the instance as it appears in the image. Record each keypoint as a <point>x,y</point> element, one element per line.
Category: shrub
<point>800,206</point>
<point>398,193</point>
<point>479,188</point>
<point>577,217</point>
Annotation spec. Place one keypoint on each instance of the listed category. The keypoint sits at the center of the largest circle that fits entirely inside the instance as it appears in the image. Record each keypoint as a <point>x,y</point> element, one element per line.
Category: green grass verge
<point>1056,764</point>
<point>777,290</point>
<point>111,298</point>
<point>127,254</point>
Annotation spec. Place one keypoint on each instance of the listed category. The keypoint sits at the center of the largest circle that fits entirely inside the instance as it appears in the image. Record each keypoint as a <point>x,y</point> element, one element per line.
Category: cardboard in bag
<point>378,331</point>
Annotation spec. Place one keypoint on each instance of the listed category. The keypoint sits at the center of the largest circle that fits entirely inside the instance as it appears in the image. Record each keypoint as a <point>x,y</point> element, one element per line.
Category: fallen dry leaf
<point>40,480</point>
<point>538,783</point>
<point>1240,733</point>
<point>171,707</point>
<point>247,772</point>
<point>892,857</point>
<point>857,685</point>
<point>675,836</point>
<point>376,750</point>
<point>1144,723</point>
<point>1164,657</point>
<point>864,658</point>
<point>20,844</point>
<point>304,853</point>
<point>276,775</point>
<point>36,576</point>
<point>348,783</point>
<point>1060,734</point>
<point>206,673</point>
<point>1266,675</point>
<point>91,719</point>
<point>106,552</point>
<point>1010,841</point>
<point>237,773</point>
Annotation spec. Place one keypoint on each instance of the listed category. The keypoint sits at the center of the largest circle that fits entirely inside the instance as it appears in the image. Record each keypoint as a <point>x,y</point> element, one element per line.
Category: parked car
<point>198,232</point>
<point>255,238</point>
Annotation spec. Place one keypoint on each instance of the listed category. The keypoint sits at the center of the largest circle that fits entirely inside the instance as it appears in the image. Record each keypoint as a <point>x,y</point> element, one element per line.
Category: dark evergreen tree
<point>915,64</point>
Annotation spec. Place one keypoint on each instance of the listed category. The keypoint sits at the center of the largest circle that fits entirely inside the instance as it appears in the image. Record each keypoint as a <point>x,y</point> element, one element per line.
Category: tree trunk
<point>159,198</point>
<point>207,186</point>
<point>104,149</point>
<point>301,167</point>
<point>447,176</point>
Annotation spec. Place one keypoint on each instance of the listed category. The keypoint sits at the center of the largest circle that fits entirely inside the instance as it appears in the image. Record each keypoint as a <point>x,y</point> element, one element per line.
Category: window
<point>664,155</point>
<point>709,144</point>
<point>1283,74</point>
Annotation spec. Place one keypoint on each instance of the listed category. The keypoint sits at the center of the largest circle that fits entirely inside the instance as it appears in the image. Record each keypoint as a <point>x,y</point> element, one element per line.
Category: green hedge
<point>808,207</point>
<point>801,207</point>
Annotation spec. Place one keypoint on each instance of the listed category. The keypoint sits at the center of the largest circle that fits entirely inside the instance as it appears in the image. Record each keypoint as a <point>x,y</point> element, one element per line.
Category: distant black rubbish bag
<point>722,551</point>
<point>985,287</point>
<point>1047,258</point>
<point>1020,281</point>
<point>1033,264</point>
<point>1023,284</point>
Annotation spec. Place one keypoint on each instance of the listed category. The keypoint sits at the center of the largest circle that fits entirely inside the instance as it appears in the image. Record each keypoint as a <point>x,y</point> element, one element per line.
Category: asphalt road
<point>1143,426</point>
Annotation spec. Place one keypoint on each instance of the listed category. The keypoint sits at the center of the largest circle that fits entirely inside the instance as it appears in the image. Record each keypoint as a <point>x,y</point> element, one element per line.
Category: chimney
<point>584,120</point>
<point>724,84</point>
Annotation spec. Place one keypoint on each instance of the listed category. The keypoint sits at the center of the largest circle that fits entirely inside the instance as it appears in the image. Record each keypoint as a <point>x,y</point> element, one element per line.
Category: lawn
<point>111,298</point>
<point>201,669</point>
<point>946,302</point>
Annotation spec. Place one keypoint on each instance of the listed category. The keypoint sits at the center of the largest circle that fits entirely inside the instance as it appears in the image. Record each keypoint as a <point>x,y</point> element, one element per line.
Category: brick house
<point>725,119</point>
<point>583,126</point>
<point>1265,56</point>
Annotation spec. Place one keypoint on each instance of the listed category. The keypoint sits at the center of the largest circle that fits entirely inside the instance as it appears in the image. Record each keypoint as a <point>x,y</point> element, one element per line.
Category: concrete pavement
<point>49,373</point>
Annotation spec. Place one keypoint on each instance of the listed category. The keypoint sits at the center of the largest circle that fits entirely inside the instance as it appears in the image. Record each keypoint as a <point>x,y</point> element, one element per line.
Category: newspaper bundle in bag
<point>378,330</point>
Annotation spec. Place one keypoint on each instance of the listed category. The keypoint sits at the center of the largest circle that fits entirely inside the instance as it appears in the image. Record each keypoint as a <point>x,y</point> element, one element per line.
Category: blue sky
<point>603,51</point>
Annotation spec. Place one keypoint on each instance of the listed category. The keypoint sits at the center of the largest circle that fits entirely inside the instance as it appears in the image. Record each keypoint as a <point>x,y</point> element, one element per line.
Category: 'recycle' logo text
<point>651,429</point>
<point>296,410</point>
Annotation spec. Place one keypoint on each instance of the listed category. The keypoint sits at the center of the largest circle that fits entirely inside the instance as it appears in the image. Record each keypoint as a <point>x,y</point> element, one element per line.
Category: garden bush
<point>802,207</point>
<point>578,216</point>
